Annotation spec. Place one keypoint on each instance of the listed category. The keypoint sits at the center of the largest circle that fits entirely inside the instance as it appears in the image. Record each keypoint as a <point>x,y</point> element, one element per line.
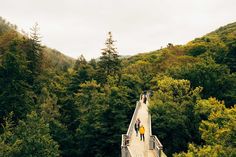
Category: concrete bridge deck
<point>141,148</point>
<point>131,145</point>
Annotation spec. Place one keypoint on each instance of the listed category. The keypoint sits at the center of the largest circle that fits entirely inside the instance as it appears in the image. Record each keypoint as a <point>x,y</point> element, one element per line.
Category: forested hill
<point>225,35</point>
<point>194,93</point>
<point>51,105</point>
<point>216,49</point>
<point>53,58</point>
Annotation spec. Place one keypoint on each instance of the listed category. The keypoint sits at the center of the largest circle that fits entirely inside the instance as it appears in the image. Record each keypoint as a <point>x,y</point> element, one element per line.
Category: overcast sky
<point>77,27</point>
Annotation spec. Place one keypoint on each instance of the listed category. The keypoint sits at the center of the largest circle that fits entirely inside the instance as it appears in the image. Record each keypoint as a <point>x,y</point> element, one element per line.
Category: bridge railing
<point>154,143</point>
<point>134,117</point>
<point>124,149</point>
<point>125,152</point>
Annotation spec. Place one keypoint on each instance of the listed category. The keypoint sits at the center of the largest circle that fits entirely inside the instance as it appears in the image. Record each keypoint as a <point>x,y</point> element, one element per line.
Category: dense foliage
<point>188,81</point>
<point>52,105</point>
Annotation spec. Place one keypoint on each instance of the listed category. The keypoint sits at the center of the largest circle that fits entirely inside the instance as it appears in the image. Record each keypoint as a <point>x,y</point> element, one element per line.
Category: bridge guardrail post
<point>124,144</point>
<point>151,143</point>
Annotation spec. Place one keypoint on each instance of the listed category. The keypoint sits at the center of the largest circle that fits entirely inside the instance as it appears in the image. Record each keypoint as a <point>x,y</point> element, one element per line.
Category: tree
<point>17,94</point>
<point>217,131</point>
<point>34,55</point>
<point>109,63</point>
<point>83,72</point>
<point>215,79</point>
<point>9,146</point>
<point>35,135</point>
<point>49,111</point>
<point>30,138</point>
<point>116,119</point>
<point>195,49</point>
<point>230,58</point>
<point>172,110</point>
<point>81,61</point>
<point>91,131</point>
<point>143,71</point>
<point>134,86</point>
<point>205,107</point>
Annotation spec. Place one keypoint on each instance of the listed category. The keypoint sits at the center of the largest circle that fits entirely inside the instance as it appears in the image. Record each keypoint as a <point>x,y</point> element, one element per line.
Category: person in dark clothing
<point>138,123</point>
<point>137,126</point>
<point>144,98</point>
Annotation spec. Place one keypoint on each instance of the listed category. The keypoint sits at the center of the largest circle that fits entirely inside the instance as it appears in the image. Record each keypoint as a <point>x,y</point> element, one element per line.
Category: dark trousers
<point>142,137</point>
<point>136,130</point>
<point>144,100</point>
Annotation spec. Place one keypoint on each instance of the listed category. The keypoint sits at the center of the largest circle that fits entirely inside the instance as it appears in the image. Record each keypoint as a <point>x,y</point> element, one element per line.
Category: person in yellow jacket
<point>142,131</point>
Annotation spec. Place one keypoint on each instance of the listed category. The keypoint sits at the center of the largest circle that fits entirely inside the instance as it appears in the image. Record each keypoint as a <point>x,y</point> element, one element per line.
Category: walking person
<point>144,99</point>
<point>142,131</point>
<point>136,127</point>
<point>138,120</point>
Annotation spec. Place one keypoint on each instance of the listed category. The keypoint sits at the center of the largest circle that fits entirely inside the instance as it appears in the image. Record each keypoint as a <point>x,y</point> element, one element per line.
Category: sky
<point>76,27</point>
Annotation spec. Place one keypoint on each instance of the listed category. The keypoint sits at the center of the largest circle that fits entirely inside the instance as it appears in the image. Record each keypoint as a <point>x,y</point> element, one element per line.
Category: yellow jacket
<point>141,130</point>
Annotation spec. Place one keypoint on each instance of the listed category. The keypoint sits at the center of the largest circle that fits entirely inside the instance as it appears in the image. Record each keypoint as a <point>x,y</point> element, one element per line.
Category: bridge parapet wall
<point>125,152</point>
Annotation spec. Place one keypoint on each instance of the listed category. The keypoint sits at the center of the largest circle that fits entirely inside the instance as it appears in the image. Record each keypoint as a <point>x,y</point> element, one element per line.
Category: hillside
<point>51,105</point>
<point>196,80</point>
<point>218,46</point>
<point>224,36</point>
<point>54,58</point>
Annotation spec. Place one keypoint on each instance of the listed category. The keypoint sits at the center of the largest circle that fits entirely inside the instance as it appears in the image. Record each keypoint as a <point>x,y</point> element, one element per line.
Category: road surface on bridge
<point>141,148</point>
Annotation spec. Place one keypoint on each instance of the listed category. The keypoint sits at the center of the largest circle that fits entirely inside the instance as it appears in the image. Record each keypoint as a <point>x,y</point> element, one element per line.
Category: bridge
<point>131,146</point>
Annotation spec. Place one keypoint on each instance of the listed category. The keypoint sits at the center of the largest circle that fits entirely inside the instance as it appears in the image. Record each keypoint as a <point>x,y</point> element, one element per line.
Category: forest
<point>53,105</point>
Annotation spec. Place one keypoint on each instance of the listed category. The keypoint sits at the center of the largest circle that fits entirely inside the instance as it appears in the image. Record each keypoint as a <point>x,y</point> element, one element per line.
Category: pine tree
<point>49,111</point>
<point>116,119</point>
<point>81,74</point>
<point>36,140</point>
<point>34,54</point>
<point>30,138</point>
<point>17,95</point>
<point>91,131</point>
<point>9,146</point>
<point>81,61</point>
<point>109,63</point>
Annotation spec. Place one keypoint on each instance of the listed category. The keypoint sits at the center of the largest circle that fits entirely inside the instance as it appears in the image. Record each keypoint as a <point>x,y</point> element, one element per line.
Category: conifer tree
<point>80,62</point>
<point>35,135</point>
<point>49,111</point>
<point>91,131</point>
<point>116,119</point>
<point>109,63</point>
<point>81,74</point>
<point>9,146</point>
<point>17,95</point>
<point>34,54</point>
<point>230,59</point>
<point>30,138</point>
